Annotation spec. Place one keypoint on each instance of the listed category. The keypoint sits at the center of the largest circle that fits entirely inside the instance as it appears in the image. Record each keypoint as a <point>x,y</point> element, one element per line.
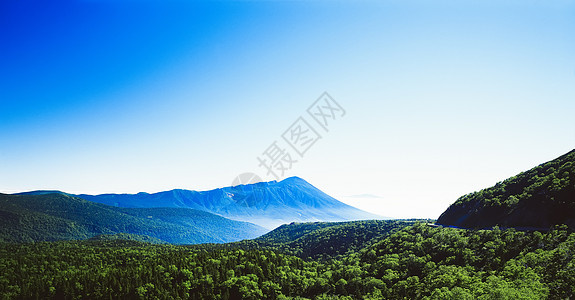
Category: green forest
<point>395,259</point>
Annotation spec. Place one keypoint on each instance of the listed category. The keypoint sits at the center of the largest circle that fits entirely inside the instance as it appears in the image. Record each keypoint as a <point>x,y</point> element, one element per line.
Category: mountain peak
<point>268,204</point>
<point>294,179</point>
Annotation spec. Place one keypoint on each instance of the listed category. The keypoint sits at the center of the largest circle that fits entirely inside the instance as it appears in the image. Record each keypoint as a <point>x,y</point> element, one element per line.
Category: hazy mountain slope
<point>268,204</point>
<point>217,228</point>
<point>49,217</point>
<point>129,237</point>
<point>538,198</point>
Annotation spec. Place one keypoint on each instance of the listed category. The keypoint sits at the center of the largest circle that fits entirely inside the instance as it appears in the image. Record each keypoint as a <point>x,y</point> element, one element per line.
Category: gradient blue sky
<point>442,97</point>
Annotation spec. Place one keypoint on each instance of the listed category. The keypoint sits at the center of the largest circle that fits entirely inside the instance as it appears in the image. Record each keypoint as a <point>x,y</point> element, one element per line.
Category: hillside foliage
<point>552,180</point>
<point>416,261</point>
<point>53,217</point>
<point>536,199</point>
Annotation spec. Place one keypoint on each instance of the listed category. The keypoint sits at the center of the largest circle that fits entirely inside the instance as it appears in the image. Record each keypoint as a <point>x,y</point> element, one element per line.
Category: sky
<point>426,100</point>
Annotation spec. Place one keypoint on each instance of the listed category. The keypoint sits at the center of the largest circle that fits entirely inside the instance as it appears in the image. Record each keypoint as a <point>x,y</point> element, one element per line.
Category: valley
<point>514,241</point>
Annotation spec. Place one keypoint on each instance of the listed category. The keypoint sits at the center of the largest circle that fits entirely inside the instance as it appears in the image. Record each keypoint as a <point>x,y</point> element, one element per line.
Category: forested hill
<point>51,217</point>
<point>536,199</point>
<point>414,261</point>
<point>327,239</point>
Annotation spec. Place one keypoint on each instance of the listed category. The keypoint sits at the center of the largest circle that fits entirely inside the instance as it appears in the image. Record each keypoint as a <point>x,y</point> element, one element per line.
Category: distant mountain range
<point>536,199</point>
<point>268,204</point>
<point>178,216</point>
<point>56,216</point>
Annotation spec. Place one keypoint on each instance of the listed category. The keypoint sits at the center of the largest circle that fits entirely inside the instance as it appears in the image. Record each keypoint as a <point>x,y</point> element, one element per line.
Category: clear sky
<point>441,98</point>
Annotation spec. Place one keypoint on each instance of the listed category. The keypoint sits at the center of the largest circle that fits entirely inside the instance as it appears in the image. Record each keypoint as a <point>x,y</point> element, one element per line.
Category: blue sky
<point>442,98</point>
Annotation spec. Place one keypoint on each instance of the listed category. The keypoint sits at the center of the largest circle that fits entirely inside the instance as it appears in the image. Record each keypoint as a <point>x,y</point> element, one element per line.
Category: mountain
<point>268,204</point>
<point>536,199</point>
<point>56,216</point>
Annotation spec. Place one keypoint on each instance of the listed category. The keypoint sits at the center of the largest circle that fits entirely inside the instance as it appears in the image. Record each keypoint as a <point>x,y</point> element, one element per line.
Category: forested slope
<point>536,199</point>
<point>327,239</point>
<point>51,217</point>
<point>416,261</point>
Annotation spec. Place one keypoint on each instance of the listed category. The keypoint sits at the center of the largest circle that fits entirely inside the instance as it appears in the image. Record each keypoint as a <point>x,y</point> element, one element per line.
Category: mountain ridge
<point>536,199</point>
<point>56,216</point>
<point>267,204</point>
